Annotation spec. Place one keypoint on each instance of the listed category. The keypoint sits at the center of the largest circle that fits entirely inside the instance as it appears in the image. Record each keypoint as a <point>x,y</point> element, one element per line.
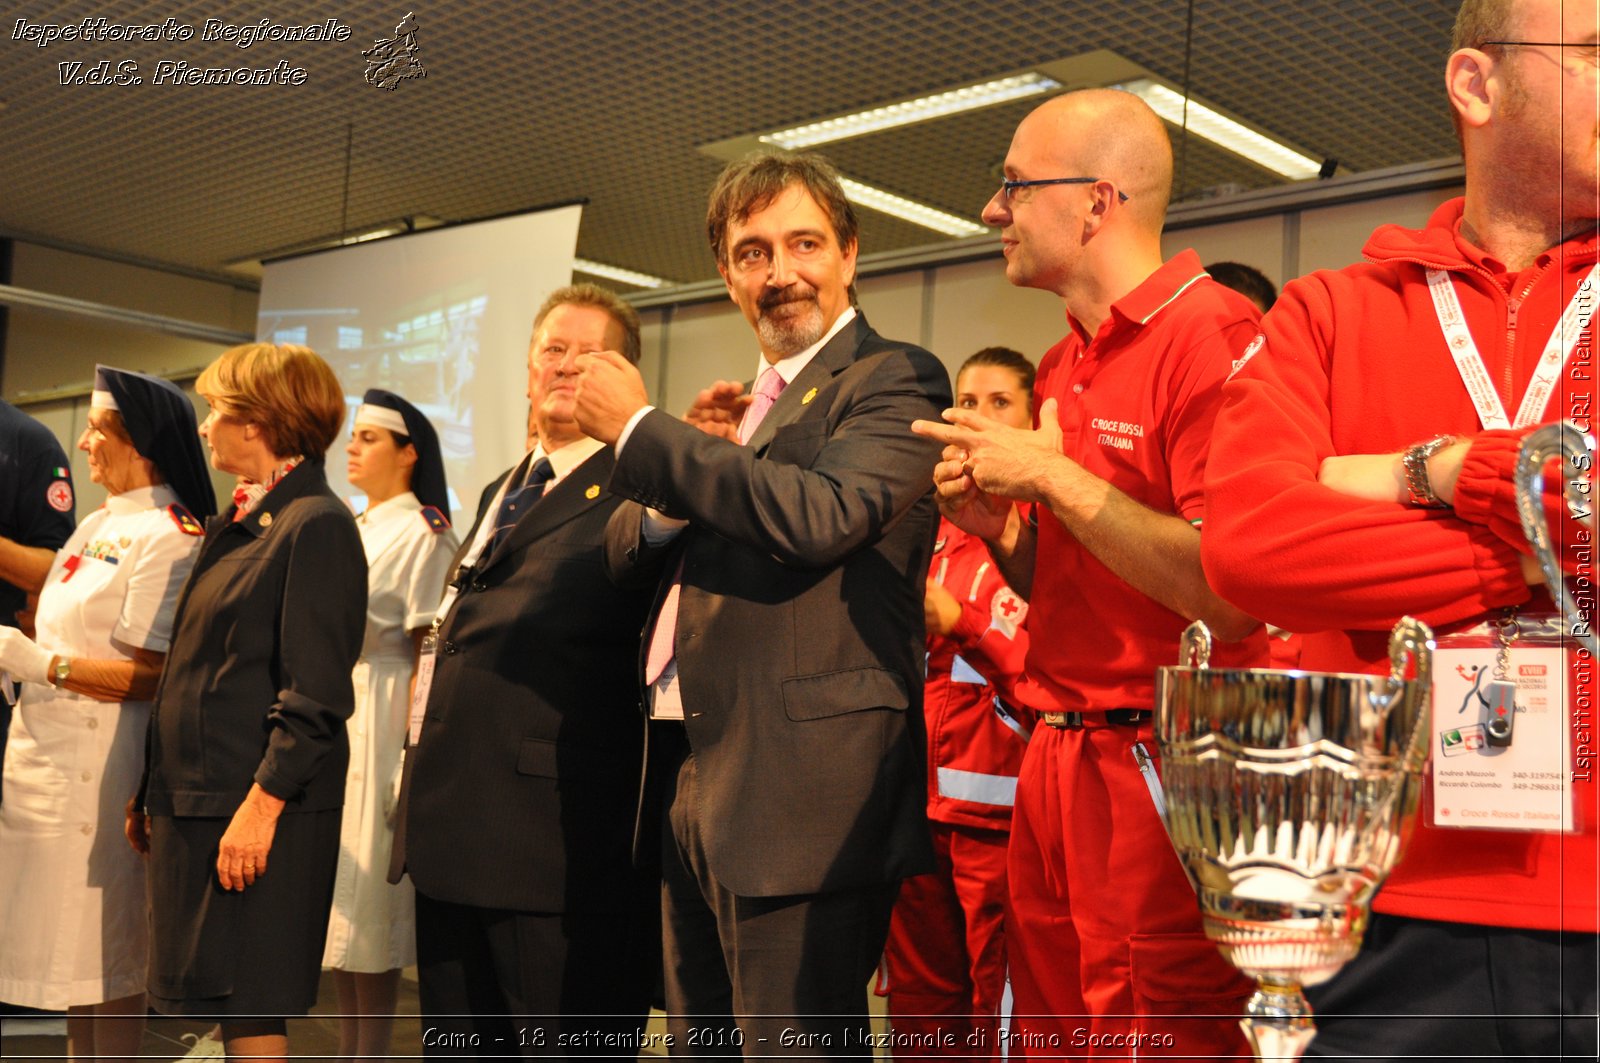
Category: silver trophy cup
<point>1289,797</point>
<point>1560,440</point>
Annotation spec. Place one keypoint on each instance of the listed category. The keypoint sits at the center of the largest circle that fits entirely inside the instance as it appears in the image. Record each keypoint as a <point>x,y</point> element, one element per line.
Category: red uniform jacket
<point>974,753</point>
<point>1355,362</point>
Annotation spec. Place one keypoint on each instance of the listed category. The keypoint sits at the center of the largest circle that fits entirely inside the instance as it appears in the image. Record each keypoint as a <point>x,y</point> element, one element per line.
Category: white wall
<point>48,350</point>
<point>1333,236</point>
<point>1260,242</point>
<point>974,308</point>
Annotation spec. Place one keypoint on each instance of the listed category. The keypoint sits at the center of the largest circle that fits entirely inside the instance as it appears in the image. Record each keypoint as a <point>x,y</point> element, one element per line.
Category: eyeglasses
<point>1008,187</point>
<point>1588,51</point>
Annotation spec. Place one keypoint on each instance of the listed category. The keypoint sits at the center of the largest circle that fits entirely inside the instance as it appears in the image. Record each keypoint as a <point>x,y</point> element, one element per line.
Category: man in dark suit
<point>534,930</point>
<point>791,537</point>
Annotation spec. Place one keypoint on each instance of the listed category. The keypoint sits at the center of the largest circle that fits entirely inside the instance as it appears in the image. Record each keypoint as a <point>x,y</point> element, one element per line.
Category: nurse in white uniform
<point>72,890</point>
<point>393,457</point>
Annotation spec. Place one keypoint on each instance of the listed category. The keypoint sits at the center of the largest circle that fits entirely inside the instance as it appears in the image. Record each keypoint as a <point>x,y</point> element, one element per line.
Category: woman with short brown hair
<point>247,744</point>
<point>285,391</point>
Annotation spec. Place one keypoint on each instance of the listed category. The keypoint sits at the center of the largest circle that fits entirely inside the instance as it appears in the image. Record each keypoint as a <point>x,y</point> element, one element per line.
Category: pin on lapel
<point>593,492</point>
<point>124,542</point>
<point>266,520</point>
<point>805,400</point>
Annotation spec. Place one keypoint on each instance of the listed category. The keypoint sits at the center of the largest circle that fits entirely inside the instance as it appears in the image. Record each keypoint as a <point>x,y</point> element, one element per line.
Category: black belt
<point>1073,721</point>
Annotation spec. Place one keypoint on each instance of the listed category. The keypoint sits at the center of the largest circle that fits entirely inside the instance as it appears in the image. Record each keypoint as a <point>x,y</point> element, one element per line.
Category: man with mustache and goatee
<point>790,532</point>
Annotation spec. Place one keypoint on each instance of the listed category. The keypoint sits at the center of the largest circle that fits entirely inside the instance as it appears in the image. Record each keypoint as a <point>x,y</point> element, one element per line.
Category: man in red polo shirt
<point>1358,476</point>
<point>1106,952</point>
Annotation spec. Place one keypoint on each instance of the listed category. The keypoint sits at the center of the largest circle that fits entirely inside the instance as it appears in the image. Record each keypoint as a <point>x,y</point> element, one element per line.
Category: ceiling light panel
<point>618,274</point>
<point>938,105</point>
<point>909,210</point>
<point>1238,138</point>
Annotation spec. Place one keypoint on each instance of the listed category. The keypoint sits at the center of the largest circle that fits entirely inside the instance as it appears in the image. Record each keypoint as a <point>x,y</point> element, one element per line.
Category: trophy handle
<point>1411,642</point>
<point>1564,440</point>
<point>1195,649</point>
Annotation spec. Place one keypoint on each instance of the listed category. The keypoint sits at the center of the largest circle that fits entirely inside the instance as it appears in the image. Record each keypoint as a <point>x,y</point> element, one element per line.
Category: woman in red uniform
<point>944,964</point>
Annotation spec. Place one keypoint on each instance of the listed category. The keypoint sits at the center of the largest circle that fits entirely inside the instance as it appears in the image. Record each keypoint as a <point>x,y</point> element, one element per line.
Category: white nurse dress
<point>73,915</point>
<point>373,924</point>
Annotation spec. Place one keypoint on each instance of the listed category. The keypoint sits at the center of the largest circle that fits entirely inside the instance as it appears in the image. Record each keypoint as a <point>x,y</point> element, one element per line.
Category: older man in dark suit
<point>790,536</point>
<point>534,931</point>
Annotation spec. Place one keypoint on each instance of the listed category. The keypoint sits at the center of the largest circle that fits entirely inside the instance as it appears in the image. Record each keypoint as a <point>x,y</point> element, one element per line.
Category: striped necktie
<point>519,500</point>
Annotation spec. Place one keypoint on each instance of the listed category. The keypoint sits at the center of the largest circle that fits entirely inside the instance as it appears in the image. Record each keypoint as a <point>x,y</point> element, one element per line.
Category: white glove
<point>23,658</point>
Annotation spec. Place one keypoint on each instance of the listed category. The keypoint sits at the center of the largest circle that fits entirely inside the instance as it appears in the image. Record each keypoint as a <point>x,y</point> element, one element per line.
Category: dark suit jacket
<point>257,683</point>
<point>800,629</point>
<point>523,788</point>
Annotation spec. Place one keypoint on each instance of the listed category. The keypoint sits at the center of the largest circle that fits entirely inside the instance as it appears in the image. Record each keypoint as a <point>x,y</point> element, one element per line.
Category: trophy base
<point>1278,1021</point>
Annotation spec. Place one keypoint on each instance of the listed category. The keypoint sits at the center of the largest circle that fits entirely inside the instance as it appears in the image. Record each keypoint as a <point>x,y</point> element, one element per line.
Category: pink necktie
<point>768,388</point>
<point>663,638</point>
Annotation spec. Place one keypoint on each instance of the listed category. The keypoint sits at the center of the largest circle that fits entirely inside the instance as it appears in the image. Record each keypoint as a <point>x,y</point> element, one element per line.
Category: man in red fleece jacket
<point>1362,471</point>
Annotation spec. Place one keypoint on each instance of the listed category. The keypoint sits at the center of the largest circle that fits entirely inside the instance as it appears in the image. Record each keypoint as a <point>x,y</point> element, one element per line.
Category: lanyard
<point>1475,375</point>
<point>485,530</point>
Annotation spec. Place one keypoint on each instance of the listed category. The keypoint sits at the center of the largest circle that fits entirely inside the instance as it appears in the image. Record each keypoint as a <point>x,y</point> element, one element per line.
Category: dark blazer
<point>257,683</point>
<point>522,790</point>
<point>800,624</point>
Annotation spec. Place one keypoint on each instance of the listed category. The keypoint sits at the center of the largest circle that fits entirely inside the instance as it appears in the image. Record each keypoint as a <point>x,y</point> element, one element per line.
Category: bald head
<point>1112,135</point>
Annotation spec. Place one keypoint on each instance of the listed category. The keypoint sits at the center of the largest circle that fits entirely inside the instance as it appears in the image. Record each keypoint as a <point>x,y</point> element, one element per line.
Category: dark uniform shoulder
<point>435,519</point>
<point>186,521</point>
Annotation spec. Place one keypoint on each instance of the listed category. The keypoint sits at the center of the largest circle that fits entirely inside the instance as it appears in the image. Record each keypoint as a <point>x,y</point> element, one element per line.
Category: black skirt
<point>214,952</point>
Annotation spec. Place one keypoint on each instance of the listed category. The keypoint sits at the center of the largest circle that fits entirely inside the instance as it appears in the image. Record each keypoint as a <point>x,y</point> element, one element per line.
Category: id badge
<point>1502,744</point>
<point>419,693</point>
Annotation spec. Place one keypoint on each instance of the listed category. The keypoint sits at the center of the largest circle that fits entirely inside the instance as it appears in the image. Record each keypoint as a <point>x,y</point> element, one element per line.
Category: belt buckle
<point>1073,721</point>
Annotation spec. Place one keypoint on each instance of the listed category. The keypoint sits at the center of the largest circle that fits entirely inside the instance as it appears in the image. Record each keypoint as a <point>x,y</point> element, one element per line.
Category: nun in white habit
<point>73,913</point>
<point>394,458</point>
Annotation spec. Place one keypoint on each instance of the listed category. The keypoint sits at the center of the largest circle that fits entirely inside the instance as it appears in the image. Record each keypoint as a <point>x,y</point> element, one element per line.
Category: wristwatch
<point>60,672</point>
<point>1415,462</point>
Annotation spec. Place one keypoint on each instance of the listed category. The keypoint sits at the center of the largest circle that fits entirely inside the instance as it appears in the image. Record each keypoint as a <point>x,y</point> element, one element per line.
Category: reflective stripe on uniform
<point>976,786</point>
<point>962,672</point>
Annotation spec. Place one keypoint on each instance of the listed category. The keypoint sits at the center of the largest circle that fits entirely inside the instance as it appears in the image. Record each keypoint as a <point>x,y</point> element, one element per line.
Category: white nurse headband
<point>383,417</point>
